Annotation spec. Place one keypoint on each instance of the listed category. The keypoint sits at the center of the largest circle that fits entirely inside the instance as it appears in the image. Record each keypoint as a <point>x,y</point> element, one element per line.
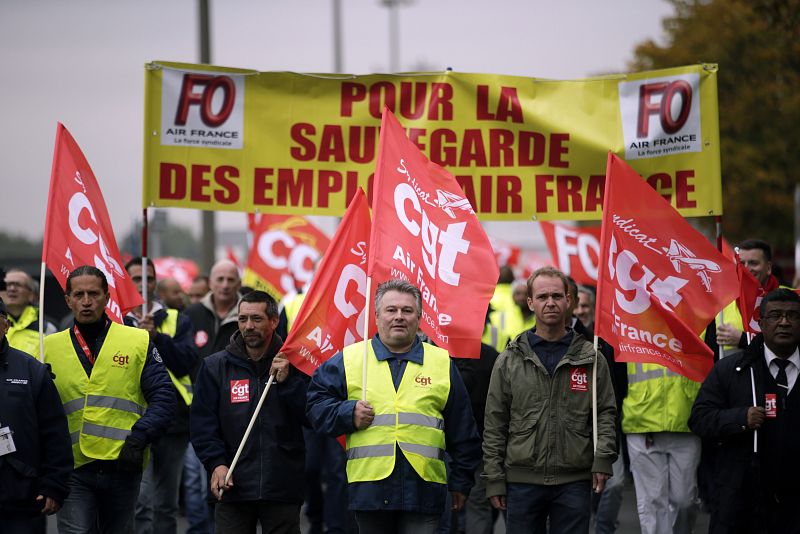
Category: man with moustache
<point>756,492</point>
<point>267,485</point>
<point>118,399</point>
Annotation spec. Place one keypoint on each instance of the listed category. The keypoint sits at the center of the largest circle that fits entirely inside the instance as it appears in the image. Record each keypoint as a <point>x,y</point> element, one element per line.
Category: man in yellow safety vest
<point>118,399</point>
<point>416,409</point>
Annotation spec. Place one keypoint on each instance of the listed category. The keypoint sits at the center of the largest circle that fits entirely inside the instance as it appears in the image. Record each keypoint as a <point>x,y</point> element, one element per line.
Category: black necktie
<point>782,380</point>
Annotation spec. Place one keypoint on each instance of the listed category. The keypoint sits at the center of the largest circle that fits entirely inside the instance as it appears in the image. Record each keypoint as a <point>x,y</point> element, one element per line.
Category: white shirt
<point>791,370</point>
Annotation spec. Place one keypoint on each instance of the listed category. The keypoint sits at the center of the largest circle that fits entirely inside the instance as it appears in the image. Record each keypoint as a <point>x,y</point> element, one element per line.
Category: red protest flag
<point>284,252</point>
<point>332,314</point>
<point>749,299</point>
<point>77,227</point>
<point>425,231</point>
<point>660,281</point>
<point>575,250</point>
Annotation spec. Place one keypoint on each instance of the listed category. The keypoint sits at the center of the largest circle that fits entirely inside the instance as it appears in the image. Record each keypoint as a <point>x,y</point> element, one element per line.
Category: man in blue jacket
<point>267,484</point>
<point>416,409</point>
<point>33,477</point>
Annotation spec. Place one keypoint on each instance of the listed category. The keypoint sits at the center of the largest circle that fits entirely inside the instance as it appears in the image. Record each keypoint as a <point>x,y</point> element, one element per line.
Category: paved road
<point>628,520</point>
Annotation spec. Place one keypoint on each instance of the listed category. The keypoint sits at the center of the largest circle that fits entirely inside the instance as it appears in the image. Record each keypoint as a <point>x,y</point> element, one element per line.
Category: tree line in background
<point>757,46</point>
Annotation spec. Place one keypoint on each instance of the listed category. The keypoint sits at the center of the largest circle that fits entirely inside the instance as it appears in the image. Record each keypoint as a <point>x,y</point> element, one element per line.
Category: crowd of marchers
<point>191,407</point>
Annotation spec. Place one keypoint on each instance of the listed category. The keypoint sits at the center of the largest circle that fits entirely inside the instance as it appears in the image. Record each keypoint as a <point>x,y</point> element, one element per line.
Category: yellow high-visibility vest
<point>184,383</point>
<point>409,418</point>
<point>101,409</point>
<point>21,337</point>
<point>658,400</point>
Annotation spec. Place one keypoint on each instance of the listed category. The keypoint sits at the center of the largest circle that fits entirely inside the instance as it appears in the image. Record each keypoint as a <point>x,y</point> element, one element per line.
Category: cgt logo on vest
<point>240,391</point>
<point>661,116</point>
<point>120,360</point>
<point>423,381</point>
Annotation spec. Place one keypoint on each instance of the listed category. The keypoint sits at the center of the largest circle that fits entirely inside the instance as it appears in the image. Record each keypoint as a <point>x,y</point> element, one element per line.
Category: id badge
<point>6,441</point>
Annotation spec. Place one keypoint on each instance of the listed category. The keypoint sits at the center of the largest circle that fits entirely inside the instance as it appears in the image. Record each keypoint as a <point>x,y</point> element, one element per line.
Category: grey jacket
<point>538,428</point>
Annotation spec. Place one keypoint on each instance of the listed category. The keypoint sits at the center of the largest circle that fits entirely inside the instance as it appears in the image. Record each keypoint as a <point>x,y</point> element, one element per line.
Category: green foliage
<point>757,46</point>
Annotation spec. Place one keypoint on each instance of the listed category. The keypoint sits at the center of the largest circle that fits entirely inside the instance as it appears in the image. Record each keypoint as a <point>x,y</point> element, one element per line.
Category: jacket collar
<point>232,315</point>
<point>415,353</point>
<point>238,349</point>
<point>575,354</point>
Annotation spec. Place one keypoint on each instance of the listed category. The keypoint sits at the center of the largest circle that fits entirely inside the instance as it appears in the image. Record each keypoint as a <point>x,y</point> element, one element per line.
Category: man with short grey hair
<point>415,409</point>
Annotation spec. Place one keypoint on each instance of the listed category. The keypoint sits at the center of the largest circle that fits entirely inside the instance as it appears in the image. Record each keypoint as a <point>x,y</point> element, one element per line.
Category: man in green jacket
<point>540,461</point>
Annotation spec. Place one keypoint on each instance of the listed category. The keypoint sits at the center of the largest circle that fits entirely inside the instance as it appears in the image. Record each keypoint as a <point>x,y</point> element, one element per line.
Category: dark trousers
<point>23,525</point>
<point>396,522</point>
<point>568,506</point>
<point>99,500</point>
<point>242,517</point>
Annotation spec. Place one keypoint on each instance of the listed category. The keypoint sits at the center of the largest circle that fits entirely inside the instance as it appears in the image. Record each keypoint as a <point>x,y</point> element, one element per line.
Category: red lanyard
<point>83,344</point>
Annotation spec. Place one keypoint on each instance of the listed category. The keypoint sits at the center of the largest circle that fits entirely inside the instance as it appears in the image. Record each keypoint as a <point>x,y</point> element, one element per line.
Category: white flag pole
<point>247,433</point>
<point>41,313</point>
<point>366,340</point>
<point>594,395</point>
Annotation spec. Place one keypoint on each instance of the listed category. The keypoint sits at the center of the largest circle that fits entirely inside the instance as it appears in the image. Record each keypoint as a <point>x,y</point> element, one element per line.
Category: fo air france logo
<point>202,109</point>
<point>661,116</point>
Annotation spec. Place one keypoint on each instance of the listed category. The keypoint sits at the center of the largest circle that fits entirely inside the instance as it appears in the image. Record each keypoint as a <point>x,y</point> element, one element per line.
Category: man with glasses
<point>23,318</point>
<point>750,406</point>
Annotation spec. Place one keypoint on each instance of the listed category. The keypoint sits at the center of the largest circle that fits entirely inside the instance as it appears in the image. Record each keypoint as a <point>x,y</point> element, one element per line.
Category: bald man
<point>215,317</point>
<point>170,293</point>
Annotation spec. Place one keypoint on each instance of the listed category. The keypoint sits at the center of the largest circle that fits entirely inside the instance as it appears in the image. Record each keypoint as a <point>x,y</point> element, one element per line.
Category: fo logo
<point>121,359</point>
<point>661,116</point>
<point>204,109</point>
<point>240,391</point>
<point>424,381</point>
<point>200,90</point>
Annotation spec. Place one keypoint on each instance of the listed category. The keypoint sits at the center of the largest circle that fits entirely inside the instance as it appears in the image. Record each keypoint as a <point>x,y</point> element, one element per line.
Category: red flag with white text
<point>332,314</point>
<point>660,281</point>
<point>575,250</point>
<point>284,253</point>
<point>77,227</point>
<point>424,230</point>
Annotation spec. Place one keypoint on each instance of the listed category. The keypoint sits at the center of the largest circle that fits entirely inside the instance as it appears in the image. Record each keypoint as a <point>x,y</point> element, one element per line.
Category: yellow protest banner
<point>220,138</point>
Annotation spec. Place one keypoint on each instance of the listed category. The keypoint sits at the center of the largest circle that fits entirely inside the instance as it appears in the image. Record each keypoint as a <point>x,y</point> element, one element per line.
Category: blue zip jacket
<point>331,413</point>
<point>31,407</point>
<point>228,388</point>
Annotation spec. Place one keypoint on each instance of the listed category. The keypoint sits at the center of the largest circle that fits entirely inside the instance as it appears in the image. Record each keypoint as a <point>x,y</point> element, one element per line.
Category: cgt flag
<point>425,231</point>
<point>660,281</point>
<point>77,228</point>
<point>332,314</point>
<point>284,252</point>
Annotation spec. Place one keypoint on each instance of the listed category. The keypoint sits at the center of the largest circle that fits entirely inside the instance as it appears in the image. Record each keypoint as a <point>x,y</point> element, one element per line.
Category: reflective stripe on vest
<point>409,418</point>
<point>101,409</point>
<point>658,400</point>
<point>182,384</point>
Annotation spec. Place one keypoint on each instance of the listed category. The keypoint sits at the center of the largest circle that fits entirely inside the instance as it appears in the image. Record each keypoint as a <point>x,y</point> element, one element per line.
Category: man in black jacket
<point>267,485</point>
<point>754,391</point>
<point>33,477</point>
<point>171,334</point>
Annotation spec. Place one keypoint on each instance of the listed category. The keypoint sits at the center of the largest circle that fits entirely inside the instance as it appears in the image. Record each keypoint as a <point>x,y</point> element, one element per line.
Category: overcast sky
<point>81,62</point>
